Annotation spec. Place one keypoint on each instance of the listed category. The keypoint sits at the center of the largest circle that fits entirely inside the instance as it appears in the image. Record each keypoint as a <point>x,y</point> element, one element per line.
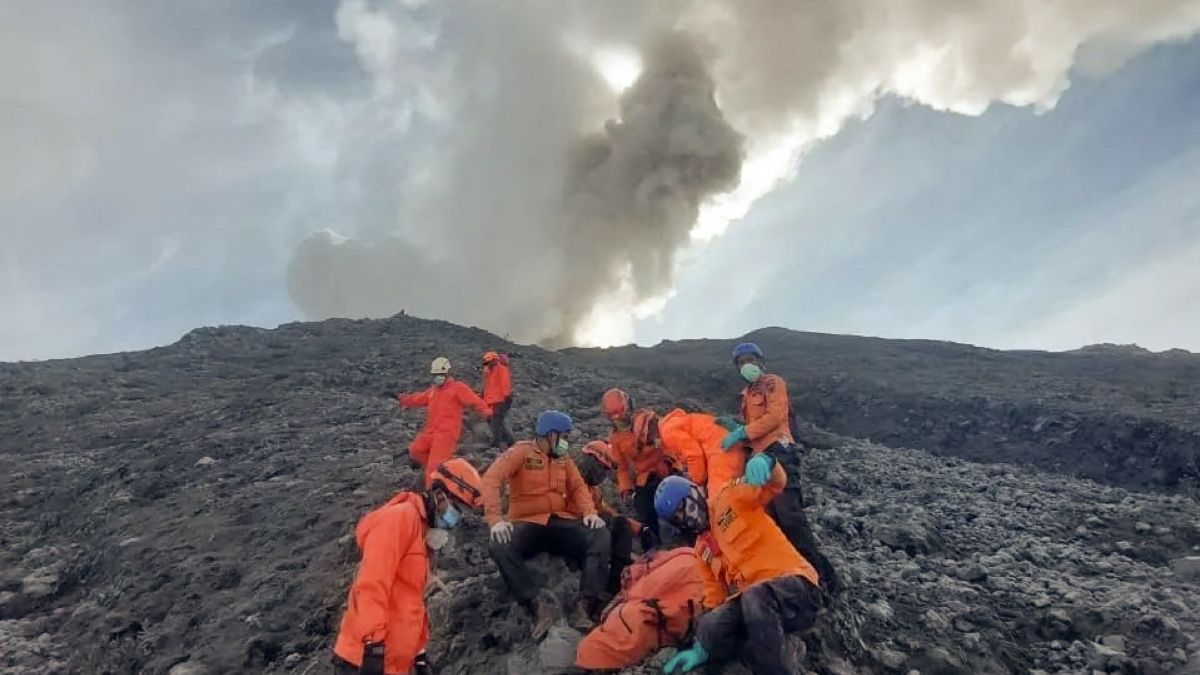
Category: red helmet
<point>460,480</point>
<point>489,357</point>
<point>615,403</point>
<point>645,427</point>
<point>602,452</point>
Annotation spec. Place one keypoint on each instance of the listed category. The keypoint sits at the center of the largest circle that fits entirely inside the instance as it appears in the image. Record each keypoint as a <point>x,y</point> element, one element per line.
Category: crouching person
<point>385,628</point>
<point>756,586</point>
<point>546,494</point>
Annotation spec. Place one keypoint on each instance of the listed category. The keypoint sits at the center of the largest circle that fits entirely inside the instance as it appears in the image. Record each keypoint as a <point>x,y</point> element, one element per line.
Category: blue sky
<point>165,161</point>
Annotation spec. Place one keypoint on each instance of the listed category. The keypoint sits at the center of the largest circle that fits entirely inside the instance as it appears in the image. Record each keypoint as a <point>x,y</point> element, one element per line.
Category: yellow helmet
<point>441,366</point>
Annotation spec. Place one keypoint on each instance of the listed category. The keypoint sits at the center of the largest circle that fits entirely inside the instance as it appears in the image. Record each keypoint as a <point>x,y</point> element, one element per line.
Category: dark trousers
<point>757,621</point>
<point>621,548</point>
<point>787,510</point>
<point>564,537</point>
<point>343,667</point>
<point>502,437</point>
<point>643,505</point>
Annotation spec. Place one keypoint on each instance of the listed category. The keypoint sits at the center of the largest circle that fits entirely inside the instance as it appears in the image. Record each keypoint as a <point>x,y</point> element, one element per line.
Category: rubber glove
<point>593,522</point>
<point>729,422</point>
<point>687,660</point>
<point>758,469</point>
<point>733,438</point>
<point>502,532</point>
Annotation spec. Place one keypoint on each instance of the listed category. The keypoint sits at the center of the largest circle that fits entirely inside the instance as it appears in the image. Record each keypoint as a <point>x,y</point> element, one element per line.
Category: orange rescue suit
<point>386,602</point>
<point>743,546</point>
<point>635,461</point>
<point>497,383</point>
<point>767,412</point>
<point>444,406</point>
<point>694,440</point>
<point>538,486</point>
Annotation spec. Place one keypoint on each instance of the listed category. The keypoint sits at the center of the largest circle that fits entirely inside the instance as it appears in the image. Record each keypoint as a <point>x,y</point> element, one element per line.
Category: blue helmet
<point>670,494</point>
<point>553,421</point>
<point>746,349</point>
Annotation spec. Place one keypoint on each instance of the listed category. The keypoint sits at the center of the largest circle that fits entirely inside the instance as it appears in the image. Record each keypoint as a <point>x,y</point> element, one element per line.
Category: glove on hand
<point>502,532</point>
<point>758,469</point>
<point>372,661</point>
<point>687,660</point>
<point>729,422</point>
<point>733,438</point>
<point>593,522</point>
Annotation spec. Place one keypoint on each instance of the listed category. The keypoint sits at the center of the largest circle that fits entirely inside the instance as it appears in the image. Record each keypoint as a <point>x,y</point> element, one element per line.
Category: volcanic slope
<point>189,510</point>
<point>1116,414</point>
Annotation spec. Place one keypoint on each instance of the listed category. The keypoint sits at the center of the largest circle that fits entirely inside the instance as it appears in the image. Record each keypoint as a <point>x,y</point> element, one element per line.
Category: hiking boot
<point>581,615</point>
<point>545,611</point>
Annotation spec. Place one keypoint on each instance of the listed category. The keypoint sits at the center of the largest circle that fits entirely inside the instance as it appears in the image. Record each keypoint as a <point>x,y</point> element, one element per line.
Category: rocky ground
<point>189,510</point>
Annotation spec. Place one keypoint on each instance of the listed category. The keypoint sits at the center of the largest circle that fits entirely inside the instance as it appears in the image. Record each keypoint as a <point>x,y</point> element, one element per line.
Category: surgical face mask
<point>750,372</point>
<point>560,448</point>
<point>439,380</point>
<point>449,518</point>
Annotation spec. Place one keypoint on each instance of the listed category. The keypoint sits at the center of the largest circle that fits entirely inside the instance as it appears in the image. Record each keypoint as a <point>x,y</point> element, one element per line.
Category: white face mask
<point>436,538</point>
<point>439,380</point>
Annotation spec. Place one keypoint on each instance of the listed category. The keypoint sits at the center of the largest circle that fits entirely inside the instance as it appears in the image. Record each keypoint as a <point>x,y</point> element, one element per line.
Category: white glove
<point>502,532</point>
<point>593,522</point>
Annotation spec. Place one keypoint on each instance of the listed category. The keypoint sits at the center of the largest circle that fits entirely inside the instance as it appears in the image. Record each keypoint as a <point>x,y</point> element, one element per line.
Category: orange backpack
<point>657,607</point>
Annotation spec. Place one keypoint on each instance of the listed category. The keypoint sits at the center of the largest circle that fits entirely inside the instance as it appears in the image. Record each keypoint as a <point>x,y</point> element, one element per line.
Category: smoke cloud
<point>550,208</point>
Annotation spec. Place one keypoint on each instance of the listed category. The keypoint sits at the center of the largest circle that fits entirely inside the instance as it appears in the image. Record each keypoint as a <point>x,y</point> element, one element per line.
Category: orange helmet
<point>489,357</point>
<point>615,403</point>
<point>602,452</point>
<point>645,427</point>
<point>460,480</point>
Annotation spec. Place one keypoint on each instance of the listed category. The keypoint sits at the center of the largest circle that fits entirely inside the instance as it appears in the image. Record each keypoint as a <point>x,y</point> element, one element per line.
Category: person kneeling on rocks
<point>596,465</point>
<point>546,498</point>
<point>386,627</point>
<point>757,587</point>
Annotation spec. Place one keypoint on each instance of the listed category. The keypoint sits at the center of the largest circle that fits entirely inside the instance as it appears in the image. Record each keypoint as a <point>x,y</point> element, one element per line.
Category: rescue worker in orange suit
<point>497,393</point>
<point>546,499</point>
<point>595,466</point>
<point>443,401</point>
<point>767,412</point>
<point>635,446</point>
<point>385,627</point>
<point>757,587</point>
<point>694,440</point>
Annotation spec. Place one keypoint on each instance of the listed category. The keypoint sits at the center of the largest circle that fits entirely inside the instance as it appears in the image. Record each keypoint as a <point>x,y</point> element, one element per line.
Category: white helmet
<point>441,366</point>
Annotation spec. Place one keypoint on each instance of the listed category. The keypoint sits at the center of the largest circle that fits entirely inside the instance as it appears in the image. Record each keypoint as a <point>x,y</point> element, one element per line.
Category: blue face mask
<point>449,518</point>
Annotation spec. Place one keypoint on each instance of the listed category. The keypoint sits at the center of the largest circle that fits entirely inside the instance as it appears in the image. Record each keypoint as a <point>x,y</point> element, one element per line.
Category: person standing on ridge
<point>497,393</point>
<point>636,449</point>
<point>757,587</point>
<point>443,401</point>
<point>385,628</point>
<point>767,431</point>
<point>549,511</point>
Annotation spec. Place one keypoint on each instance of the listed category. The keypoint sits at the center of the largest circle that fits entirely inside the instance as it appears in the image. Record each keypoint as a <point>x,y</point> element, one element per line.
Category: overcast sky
<point>162,162</point>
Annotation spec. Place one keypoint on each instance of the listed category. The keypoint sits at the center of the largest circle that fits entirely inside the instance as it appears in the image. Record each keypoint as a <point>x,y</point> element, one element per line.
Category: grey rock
<point>1187,568</point>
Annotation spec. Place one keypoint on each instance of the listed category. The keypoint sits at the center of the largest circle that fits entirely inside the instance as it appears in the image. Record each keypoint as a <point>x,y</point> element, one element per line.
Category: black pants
<point>563,537</point>
<point>621,549</point>
<point>787,510</point>
<point>643,505</point>
<point>343,667</point>
<point>757,621</point>
<point>502,437</point>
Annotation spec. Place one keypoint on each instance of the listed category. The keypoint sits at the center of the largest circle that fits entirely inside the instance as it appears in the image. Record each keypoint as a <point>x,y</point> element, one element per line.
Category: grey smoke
<point>531,209</point>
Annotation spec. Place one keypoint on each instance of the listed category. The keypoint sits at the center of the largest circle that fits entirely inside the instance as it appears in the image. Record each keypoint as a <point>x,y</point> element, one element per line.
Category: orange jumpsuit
<point>694,440</point>
<point>767,412</point>
<point>743,545</point>
<point>497,383</point>
<point>443,422</point>
<point>635,461</point>
<point>386,602</point>
<point>539,486</point>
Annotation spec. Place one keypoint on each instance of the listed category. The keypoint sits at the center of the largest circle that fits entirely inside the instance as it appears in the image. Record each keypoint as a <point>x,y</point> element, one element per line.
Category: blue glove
<point>686,660</point>
<point>728,422</point>
<point>733,438</point>
<point>758,469</point>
